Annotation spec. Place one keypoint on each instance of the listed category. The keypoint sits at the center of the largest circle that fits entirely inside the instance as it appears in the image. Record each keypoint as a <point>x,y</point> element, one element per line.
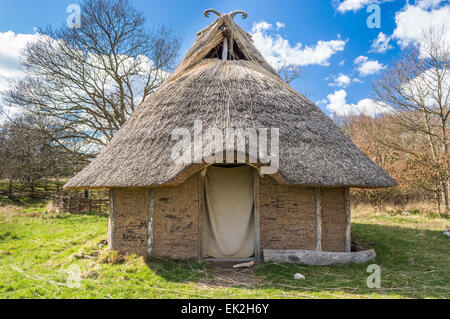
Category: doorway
<point>228,218</point>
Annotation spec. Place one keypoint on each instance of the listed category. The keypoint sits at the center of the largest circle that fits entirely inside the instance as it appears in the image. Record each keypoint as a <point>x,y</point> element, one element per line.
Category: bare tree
<point>290,73</point>
<point>27,154</point>
<point>417,90</point>
<point>86,81</point>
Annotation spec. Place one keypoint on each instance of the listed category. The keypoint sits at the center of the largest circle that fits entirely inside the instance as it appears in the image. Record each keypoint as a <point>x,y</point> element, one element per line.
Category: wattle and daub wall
<point>287,219</point>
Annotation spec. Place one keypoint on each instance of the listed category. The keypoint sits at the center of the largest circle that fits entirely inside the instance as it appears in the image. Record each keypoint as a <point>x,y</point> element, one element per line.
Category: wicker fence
<point>74,204</point>
<point>59,201</point>
<point>38,190</point>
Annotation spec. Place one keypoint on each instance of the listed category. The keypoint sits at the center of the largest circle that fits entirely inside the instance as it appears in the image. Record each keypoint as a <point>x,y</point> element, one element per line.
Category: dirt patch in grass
<point>37,210</point>
<point>224,275</point>
<point>13,211</point>
<point>9,210</point>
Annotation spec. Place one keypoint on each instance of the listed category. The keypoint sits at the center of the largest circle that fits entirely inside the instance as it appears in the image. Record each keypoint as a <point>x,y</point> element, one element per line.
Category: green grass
<point>36,249</point>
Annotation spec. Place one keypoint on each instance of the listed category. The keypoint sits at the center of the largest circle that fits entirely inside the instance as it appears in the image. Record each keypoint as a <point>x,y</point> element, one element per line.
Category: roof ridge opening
<point>227,50</point>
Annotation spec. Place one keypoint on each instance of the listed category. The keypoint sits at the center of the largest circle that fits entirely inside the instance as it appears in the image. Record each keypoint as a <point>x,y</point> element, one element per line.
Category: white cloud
<point>427,4</point>
<point>382,43</point>
<point>337,104</point>
<point>424,86</point>
<point>341,80</point>
<point>261,26</point>
<point>351,5</point>
<point>322,102</point>
<point>361,59</point>
<point>280,25</point>
<point>280,53</point>
<point>412,20</point>
<point>354,5</point>
<point>10,46</point>
<point>367,67</point>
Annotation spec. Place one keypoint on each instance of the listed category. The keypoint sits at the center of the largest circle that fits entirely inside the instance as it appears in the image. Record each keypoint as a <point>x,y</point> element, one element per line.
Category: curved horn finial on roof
<point>243,13</point>
<point>207,12</point>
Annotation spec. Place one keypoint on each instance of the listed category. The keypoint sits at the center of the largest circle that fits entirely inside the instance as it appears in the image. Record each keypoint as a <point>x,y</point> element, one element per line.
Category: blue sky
<point>329,39</point>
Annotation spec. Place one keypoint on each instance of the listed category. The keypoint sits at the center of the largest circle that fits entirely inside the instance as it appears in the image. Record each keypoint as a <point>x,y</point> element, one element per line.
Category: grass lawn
<point>38,251</point>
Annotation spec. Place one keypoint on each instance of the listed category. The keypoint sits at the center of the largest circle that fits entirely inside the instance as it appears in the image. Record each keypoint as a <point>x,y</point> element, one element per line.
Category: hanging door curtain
<point>228,228</point>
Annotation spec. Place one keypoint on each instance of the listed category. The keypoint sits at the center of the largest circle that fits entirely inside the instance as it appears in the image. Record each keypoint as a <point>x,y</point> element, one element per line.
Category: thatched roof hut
<point>225,82</point>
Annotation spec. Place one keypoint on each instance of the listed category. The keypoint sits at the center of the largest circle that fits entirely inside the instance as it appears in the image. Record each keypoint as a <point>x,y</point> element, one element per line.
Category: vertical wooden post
<point>318,197</point>
<point>256,214</point>
<point>111,220</point>
<point>231,47</point>
<point>150,221</point>
<point>348,221</point>
<point>225,49</point>
<point>201,212</point>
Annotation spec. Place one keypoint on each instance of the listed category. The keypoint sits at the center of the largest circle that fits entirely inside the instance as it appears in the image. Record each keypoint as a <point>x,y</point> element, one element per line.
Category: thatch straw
<point>235,93</point>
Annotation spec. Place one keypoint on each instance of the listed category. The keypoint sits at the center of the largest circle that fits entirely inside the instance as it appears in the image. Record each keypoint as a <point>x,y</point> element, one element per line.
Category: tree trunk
<point>32,188</point>
<point>445,193</point>
<point>438,200</point>
<point>10,188</point>
<point>22,188</point>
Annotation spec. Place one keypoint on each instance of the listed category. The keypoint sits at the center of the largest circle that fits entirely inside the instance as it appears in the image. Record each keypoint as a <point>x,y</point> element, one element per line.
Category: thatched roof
<point>244,93</point>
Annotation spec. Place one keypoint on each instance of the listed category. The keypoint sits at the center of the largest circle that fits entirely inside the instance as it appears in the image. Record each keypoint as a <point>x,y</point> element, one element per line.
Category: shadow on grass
<point>178,271</point>
<point>414,263</point>
<point>105,215</point>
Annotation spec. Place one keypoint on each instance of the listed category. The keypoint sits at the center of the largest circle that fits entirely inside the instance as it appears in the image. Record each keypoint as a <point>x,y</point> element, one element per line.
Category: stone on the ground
<point>79,255</point>
<point>447,233</point>
<point>244,265</point>
<point>102,243</point>
<point>89,274</point>
<point>406,213</point>
<point>299,276</point>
